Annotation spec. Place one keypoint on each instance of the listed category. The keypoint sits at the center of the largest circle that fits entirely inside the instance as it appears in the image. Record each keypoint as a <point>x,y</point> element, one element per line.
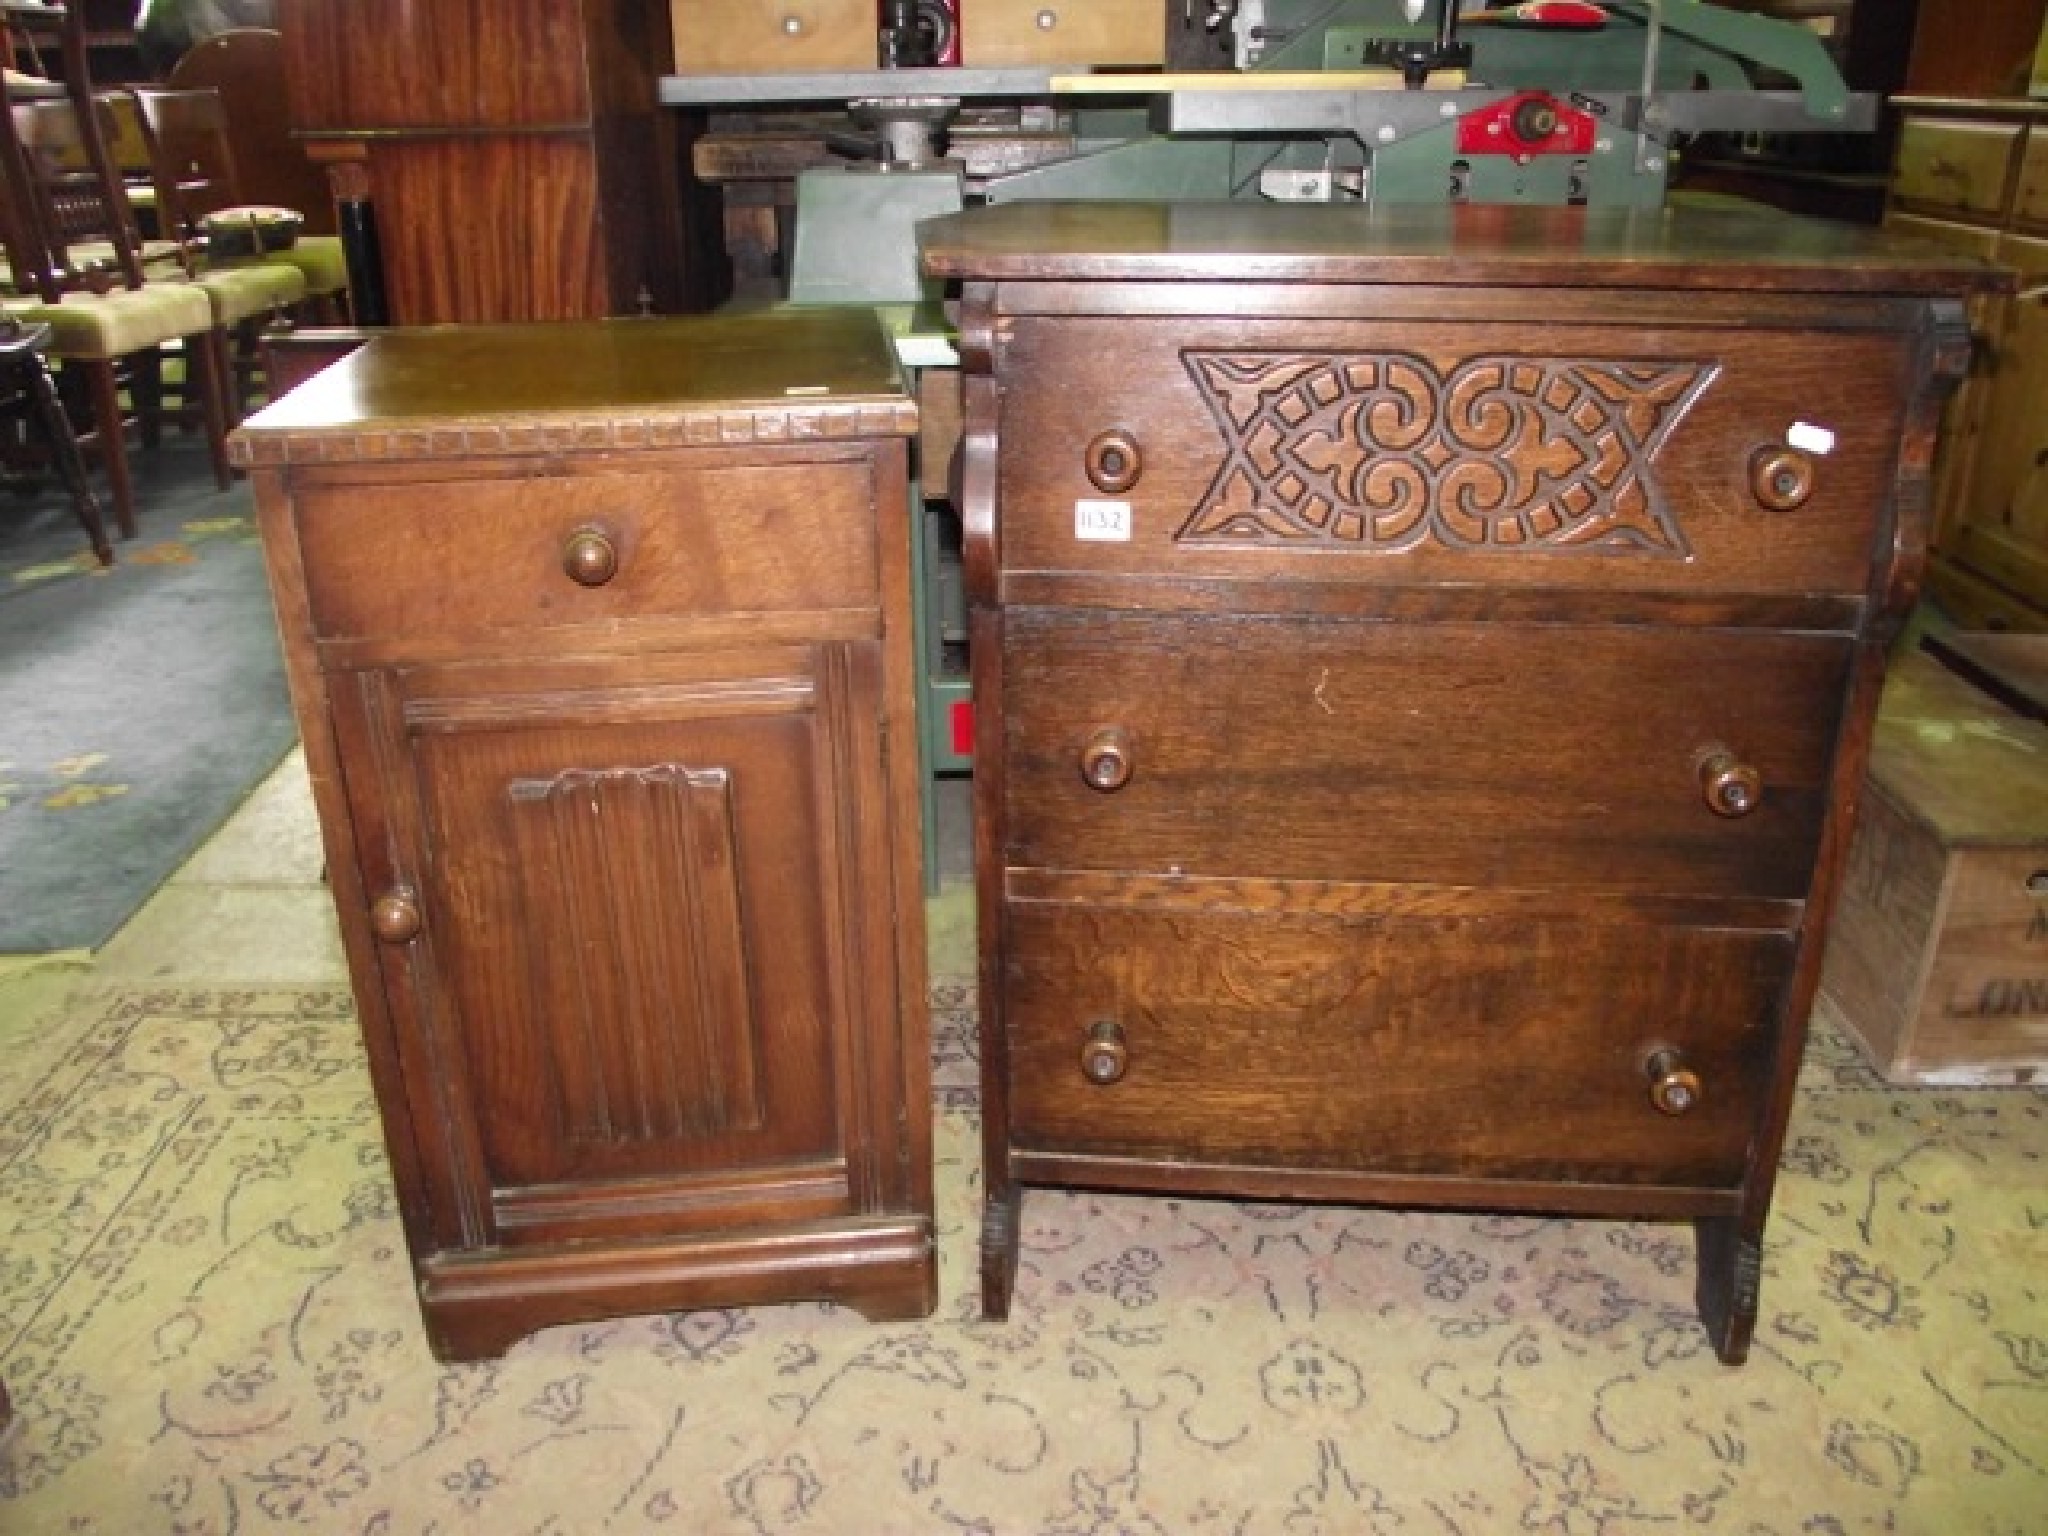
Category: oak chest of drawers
<point>599,640</point>
<point>1423,664</point>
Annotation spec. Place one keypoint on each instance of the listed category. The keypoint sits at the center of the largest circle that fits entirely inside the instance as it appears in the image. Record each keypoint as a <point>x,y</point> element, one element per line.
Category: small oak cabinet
<point>1423,668</point>
<point>599,639</point>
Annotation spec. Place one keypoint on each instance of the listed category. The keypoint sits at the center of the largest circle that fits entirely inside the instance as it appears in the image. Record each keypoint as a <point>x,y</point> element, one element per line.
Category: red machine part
<point>1525,124</point>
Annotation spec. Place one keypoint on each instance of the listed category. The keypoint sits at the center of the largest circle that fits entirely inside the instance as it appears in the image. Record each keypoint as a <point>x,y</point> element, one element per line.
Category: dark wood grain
<point>1435,575</point>
<point>627,870</point>
<point>1438,1047</point>
<point>480,230</point>
<point>1540,757</point>
<point>687,538</point>
<point>518,160</point>
<point>1664,248</point>
<point>1185,393</point>
<point>360,64</point>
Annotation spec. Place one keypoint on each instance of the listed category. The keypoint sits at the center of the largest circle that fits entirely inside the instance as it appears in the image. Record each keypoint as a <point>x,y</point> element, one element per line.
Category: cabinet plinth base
<point>477,1306</point>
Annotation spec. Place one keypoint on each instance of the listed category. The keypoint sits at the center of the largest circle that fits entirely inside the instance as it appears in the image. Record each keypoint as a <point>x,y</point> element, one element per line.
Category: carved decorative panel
<point>646,993</point>
<point>1386,452</point>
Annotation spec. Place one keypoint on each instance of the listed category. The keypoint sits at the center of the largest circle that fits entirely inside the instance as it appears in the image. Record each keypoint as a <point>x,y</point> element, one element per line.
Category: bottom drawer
<point>1475,1047</point>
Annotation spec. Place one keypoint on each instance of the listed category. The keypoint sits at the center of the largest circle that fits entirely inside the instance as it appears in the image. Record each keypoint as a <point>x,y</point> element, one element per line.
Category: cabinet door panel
<point>630,961</point>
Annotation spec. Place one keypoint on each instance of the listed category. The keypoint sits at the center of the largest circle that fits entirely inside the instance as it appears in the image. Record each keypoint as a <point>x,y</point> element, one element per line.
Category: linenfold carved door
<point>626,976</point>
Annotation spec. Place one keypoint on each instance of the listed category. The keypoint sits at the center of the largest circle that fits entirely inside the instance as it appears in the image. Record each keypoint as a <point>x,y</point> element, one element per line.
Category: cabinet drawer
<point>740,37</point>
<point>1960,166</point>
<point>1421,1047</point>
<point>1421,453</point>
<point>1002,34</point>
<point>427,561</point>
<point>1527,756</point>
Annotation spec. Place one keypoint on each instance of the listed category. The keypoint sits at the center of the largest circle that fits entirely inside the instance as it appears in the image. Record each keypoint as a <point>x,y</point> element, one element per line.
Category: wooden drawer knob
<point>590,557</point>
<point>396,916</point>
<point>1106,762</point>
<point>1731,787</point>
<point>1674,1086</point>
<point>1780,478</point>
<point>1113,461</point>
<point>1104,1056</point>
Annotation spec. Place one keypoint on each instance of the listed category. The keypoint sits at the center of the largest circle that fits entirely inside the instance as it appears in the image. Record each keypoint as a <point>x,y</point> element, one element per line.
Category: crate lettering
<point>2005,997</point>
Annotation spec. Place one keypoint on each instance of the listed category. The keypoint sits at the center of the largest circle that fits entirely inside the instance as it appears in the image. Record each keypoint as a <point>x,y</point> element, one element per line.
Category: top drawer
<point>1957,166</point>
<point>743,37</point>
<point>429,561</point>
<point>1410,453</point>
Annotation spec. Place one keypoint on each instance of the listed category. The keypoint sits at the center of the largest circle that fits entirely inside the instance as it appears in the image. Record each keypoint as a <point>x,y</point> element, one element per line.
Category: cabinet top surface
<point>1971,770</point>
<point>769,375</point>
<point>1685,247</point>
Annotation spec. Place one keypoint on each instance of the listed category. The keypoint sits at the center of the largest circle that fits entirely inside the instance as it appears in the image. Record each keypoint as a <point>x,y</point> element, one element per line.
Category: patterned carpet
<point>205,1321</point>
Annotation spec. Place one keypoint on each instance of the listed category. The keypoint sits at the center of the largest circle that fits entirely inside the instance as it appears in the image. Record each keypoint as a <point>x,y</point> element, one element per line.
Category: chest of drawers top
<point>1695,248</point>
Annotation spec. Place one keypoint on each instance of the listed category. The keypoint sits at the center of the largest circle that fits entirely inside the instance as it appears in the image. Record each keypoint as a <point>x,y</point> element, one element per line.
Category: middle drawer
<point>1502,755</point>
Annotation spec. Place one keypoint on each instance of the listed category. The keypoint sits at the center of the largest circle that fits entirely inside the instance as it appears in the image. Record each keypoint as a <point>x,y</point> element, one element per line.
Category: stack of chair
<point>245,66</point>
<point>191,170</point>
<point>77,269</point>
<point>198,191</point>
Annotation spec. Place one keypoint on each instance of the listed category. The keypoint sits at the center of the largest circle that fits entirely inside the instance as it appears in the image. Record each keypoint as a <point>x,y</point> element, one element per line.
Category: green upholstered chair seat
<point>125,320</point>
<point>319,258</point>
<point>242,293</point>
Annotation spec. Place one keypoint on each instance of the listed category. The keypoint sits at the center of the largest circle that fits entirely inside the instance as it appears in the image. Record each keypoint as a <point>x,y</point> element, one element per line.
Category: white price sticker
<point>1103,522</point>
<point>1808,438</point>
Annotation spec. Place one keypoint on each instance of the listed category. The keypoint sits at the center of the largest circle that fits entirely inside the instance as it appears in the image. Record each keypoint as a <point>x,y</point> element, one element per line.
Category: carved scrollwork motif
<point>1386,452</point>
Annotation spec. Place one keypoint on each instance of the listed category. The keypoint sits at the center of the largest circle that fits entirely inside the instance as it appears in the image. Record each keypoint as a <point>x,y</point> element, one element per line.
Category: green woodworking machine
<point>1379,102</point>
<point>1375,101</point>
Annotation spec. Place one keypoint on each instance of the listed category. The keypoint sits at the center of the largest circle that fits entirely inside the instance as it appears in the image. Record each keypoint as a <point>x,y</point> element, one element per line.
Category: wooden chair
<point>193,173</point>
<point>25,381</point>
<point>106,321</point>
<point>200,197</point>
<point>246,66</point>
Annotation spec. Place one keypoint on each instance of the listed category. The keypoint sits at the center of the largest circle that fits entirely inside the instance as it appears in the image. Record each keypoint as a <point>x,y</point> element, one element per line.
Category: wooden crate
<point>1937,962</point>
